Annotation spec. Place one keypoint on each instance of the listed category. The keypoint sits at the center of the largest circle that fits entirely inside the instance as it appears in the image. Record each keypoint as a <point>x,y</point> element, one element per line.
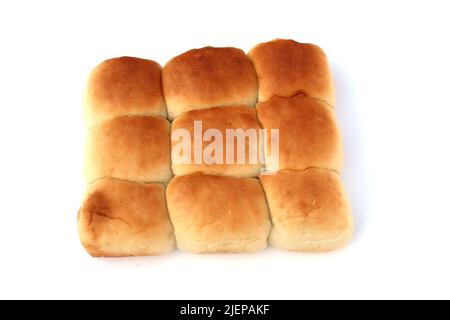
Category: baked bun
<point>219,118</point>
<point>308,133</point>
<point>309,210</point>
<point>119,218</point>
<point>135,148</point>
<point>213,214</point>
<point>286,68</point>
<point>124,86</point>
<point>208,77</point>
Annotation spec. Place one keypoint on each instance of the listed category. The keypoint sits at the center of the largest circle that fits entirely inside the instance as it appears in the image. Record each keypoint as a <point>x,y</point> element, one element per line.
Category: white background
<point>391,62</point>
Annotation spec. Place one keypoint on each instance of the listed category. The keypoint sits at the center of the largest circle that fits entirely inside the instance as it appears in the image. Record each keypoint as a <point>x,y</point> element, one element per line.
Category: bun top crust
<point>208,77</point>
<point>220,118</point>
<point>124,86</point>
<point>286,68</point>
<point>308,131</point>
<point>309,210</point>
<point>217,210</point>
<point>132,148</point>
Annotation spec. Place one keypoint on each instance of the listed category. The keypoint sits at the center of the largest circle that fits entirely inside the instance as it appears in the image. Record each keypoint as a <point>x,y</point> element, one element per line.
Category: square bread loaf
<point>232,191</point>
<point>135,148</point>
<point>219,119</point>
<point>309,210</point>
<point>286,68</point>
<point>123,86</point>
<point>212,214</point>
<point>308,133</point>
<point>208,77</point>
<point>119,218</point>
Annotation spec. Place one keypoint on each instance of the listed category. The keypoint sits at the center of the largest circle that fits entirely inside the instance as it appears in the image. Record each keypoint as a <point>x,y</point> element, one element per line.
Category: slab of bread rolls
<point>140,201</point>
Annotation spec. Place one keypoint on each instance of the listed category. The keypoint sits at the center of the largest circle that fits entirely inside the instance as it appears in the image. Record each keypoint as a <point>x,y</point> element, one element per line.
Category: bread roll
<point>309,210</point>
<point>219,118</point>
<point>286,68</point>
<point>218,214</point>
<point>208,77</point>
<point>135,148</point>
<point>119,218</point>
<point>124,86</point>
<point>308,133</point>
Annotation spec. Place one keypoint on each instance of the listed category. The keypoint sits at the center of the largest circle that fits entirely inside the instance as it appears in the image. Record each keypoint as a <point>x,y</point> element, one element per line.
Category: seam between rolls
<point>203,107</point>
<point>306,169</point>
<point>301,93</point>
<point>266,200</point>
<point>257,78</point>
<point>172,233</point>
<point>126,180</point>
<point>125,115</point>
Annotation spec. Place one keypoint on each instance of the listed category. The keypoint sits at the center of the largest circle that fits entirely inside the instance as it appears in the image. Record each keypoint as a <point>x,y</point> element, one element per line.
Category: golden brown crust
<point>134,148</point>
<point>218,214</point>
<point>208,77</point>
<point>119,218</point>
<point>124,86</point>
<point>220,118</point>
<point>221,209</point>
<point>286,67</point>
<point>308,133</point>
<point>309,210</point>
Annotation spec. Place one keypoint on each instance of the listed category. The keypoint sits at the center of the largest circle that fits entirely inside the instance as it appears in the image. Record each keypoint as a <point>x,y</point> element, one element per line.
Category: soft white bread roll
<point>135,148</point>
<point>213,214</point>
<point>309,210</point>
<point>219,118</point>
<point>309,135</point>
<point>286,68</point>
<point>208,77</point>
<point>119,218</point>
<point>124,86</point>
